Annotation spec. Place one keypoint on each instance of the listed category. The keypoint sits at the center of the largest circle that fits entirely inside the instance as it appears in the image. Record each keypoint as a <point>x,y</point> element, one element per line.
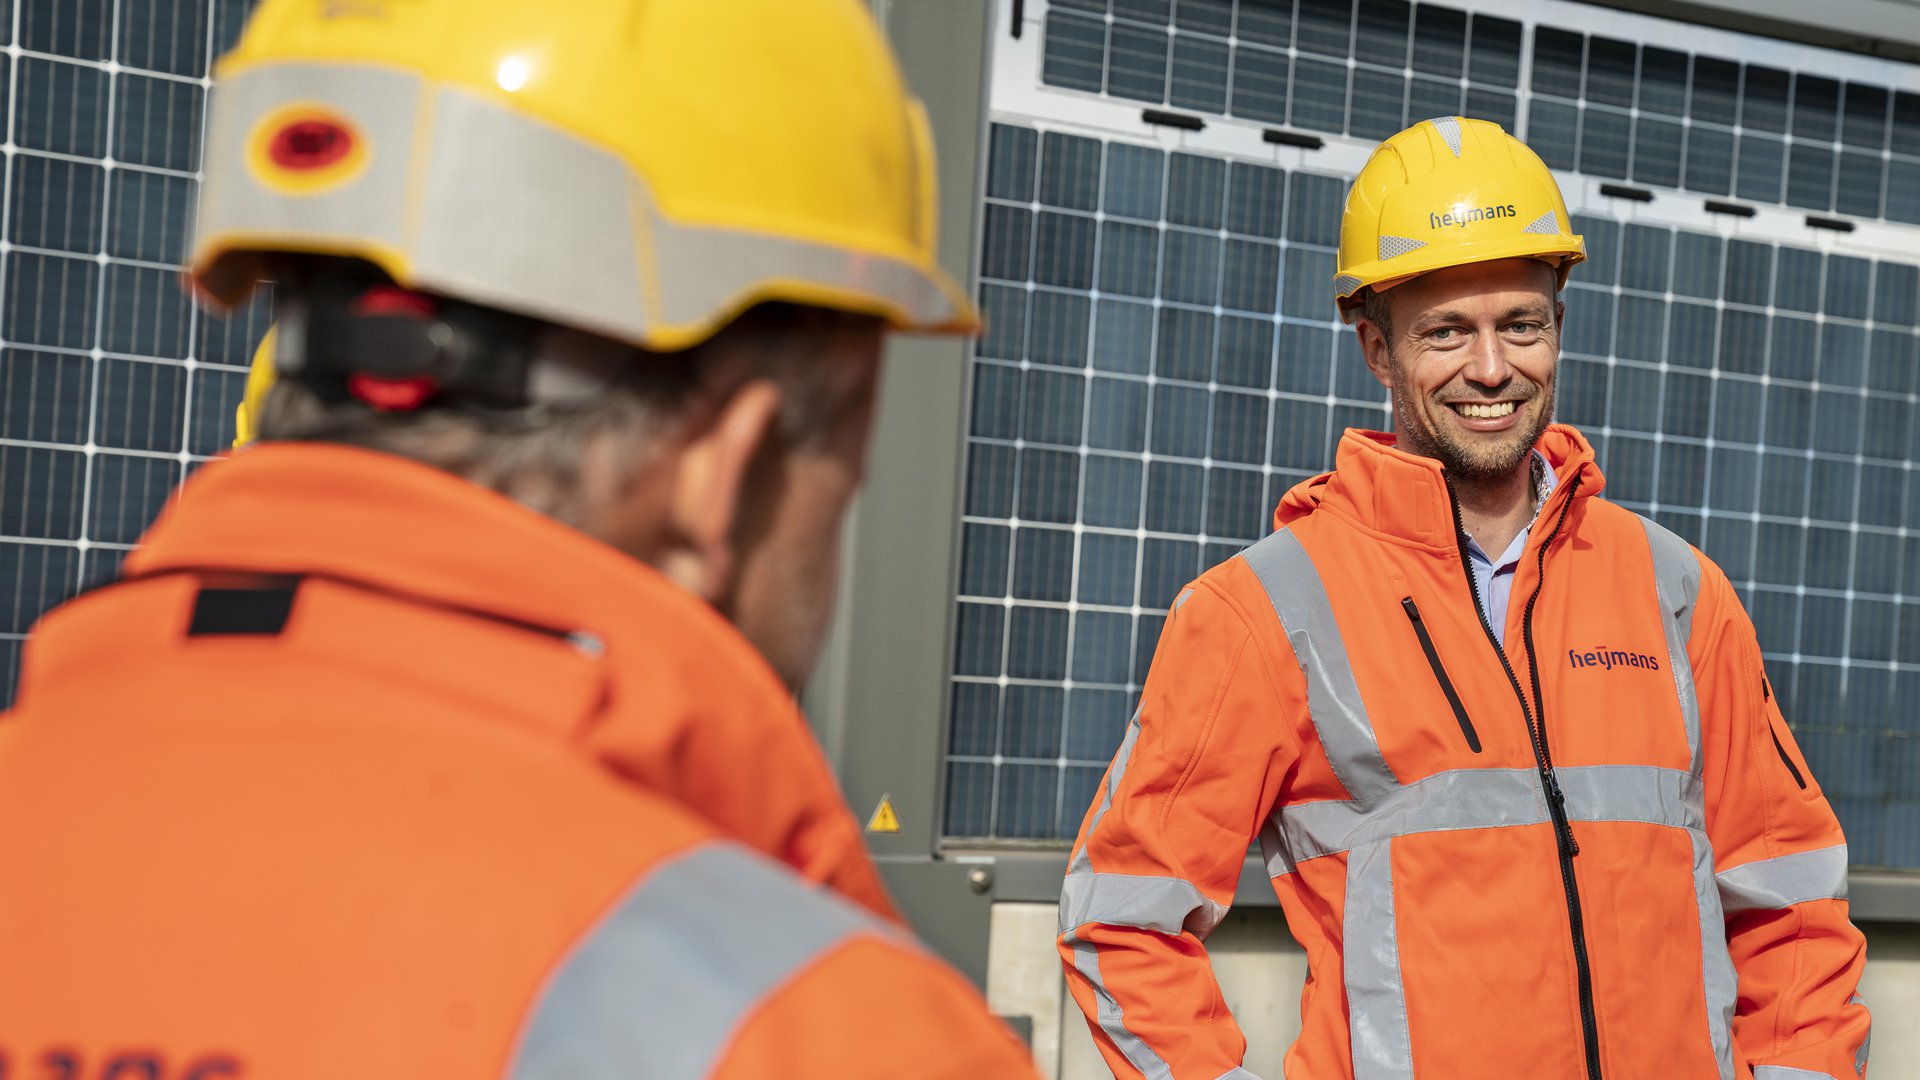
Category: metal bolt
<point>980,879</point>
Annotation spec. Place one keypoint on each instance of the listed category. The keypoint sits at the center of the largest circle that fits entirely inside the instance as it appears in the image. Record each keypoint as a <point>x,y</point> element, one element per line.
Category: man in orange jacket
<point>1508,750</point>
<point>449,731</point>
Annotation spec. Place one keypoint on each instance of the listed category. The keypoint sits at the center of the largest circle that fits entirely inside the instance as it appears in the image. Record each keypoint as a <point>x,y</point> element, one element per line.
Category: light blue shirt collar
<point>1493,578</point>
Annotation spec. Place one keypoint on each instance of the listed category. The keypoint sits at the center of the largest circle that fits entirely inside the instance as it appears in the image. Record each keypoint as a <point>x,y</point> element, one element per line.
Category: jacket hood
<point>1403,497</point>
<point>687,707</point>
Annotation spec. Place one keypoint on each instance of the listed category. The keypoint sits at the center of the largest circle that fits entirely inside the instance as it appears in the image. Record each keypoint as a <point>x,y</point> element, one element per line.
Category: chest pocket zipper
<point>1766,694</point>
<point>1440,673</point>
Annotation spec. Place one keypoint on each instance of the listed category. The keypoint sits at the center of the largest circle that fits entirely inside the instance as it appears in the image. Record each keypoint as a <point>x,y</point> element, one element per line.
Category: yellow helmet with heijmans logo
<point>1444,192</point>
<point>643,170</point>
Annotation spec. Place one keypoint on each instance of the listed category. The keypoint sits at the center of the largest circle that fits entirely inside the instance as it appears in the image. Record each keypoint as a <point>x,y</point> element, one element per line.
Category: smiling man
<point>1508,749</point>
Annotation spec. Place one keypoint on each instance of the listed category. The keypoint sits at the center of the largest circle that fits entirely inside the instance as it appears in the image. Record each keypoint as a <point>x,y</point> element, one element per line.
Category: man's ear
<point>707,481</point>
<point>1373,346</point>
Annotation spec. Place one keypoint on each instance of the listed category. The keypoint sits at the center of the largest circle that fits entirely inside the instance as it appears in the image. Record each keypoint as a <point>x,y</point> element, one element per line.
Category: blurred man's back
<point>449,731</point>
<point>430,809</point>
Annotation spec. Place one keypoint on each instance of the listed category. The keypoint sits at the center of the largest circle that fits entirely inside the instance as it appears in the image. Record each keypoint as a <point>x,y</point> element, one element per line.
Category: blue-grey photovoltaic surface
<point>112,386</point>
<point>1164,361</point>
<point>1600,106</point>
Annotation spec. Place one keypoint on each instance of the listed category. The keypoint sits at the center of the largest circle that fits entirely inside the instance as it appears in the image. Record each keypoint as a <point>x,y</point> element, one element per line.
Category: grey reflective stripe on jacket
<point>1299,598</point>
<point>1082,861</point>
<point>661,986</point>
<point>1676,577</point>
<point>1083,900</point>
<point>1382,808</point>
<point>1168,905</point>
<point>1866,1041</point>
<point>1164,904</point>
<point>1487,799</point>
<point>1107,1012</point>
<point>1788,1072</point>
<point>1376,995</point>
<point>1785,880</point>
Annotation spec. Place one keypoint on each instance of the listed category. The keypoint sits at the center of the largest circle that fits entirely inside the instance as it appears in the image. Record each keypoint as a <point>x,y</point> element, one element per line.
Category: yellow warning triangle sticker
<point>884,819</point>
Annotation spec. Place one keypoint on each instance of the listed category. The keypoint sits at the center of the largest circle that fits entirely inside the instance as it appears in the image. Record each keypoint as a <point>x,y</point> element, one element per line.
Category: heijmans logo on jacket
<point>1609,659</point>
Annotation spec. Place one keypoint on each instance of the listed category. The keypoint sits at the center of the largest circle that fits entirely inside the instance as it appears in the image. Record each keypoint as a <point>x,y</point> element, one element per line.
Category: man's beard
<point>1478,461</point>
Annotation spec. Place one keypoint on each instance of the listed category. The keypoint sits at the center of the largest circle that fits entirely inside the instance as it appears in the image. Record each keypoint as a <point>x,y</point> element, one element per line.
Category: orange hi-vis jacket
<point>1595,853</point>
<point>362,770</point>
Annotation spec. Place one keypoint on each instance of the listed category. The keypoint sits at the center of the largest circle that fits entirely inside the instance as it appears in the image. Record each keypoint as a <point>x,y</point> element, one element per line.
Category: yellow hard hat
<point>260,376</point>
<point>1444,192</point>
<point>640,169</point>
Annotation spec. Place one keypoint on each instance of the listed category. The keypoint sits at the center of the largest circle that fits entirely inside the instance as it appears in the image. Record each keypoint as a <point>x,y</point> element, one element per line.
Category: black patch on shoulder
<point>261,611</point>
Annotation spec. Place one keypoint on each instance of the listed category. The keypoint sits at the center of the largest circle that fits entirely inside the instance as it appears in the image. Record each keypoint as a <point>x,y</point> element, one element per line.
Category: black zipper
<point>1439,672</point>
<point>1766,694</point>
<point>1550,783</point>
<point>1784,759</point>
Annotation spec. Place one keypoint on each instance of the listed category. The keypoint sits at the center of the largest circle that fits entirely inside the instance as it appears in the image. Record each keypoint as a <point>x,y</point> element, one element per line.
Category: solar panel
<point>112,387</point>
<point>1596,104</point>
<point>1165,361</point>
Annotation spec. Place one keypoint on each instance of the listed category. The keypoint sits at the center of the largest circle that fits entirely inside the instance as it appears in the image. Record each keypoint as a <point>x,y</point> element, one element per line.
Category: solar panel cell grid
<point>111,386</point>
<point>1599,104</point>
<point>1753,395</point>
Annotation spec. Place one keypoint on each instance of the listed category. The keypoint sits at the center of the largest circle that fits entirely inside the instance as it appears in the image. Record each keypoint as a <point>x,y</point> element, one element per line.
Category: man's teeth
<point>1487,412</point>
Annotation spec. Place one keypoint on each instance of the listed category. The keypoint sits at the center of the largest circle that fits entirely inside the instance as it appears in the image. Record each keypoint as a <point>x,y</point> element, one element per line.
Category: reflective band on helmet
<point>371,208</point>
<point>623,269</point>
<point>662,985</point>
<point>1300,602</point>
<point>1676,576</point>
<point>1786,880</point>
<point>1547,224</point>
<point>561,229</point>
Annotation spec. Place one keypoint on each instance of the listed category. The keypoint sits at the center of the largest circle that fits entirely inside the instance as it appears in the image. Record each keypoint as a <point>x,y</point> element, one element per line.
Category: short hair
<point>536,454</point>
<point>1373,305</point>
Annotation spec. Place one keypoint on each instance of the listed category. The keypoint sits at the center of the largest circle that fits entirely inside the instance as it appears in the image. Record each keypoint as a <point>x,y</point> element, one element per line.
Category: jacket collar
<point>411,530</point>
<point>690,709</point>
<point>1403,498</point>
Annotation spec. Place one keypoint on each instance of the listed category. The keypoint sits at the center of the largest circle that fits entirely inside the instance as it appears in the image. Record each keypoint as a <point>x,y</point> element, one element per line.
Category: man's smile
<point>1488,410</point>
